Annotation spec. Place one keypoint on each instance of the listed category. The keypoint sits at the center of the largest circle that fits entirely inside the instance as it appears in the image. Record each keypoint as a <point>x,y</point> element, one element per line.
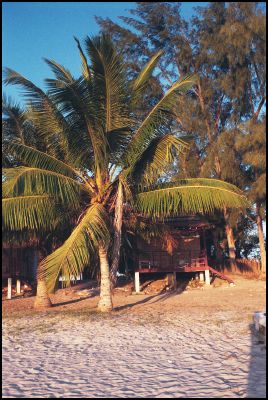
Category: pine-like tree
<point>224,44</point>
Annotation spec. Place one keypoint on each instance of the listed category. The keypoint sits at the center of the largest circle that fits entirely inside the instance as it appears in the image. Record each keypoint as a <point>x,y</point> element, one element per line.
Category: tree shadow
<point>146,284</point>
<point>172,293</point>
<point>64,303</point>
<point>162,296</point>
<point>256,385</point>
<point>127,306</point>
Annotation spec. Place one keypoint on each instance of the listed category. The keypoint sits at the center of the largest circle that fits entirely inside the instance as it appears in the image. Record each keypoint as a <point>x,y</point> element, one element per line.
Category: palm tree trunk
<point>42,299</point>
<point>105,303</point>
<point>117,235</point>
<point>261,241</point>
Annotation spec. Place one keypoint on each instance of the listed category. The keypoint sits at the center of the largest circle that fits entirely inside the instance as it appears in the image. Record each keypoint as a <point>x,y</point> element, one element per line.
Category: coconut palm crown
<point>100,152</point>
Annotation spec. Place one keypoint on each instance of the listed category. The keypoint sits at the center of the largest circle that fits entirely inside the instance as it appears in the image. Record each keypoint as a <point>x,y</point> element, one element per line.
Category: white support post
<point>207,277</point>
<point>9,288</point>
<point>18,286</point>
<point>201,276</point>
<point>137,282</point>
<point>196,276</point>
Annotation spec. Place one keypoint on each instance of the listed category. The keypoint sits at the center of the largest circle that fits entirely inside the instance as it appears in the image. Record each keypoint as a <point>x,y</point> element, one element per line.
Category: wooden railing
<point>157,261</point>
<point>243,266</point>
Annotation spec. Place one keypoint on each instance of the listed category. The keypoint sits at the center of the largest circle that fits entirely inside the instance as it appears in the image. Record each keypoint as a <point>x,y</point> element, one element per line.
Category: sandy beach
<point>195,343</point>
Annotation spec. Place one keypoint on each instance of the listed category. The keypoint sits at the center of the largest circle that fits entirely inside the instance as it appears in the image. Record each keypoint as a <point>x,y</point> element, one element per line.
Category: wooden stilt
<point>175,280</point>
<point>172,280</point>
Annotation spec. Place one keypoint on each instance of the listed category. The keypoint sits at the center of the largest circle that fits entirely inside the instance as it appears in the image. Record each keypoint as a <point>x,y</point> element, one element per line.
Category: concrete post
<point>207,277</point>
<point>137,282</point>
<point>9,288</point>
<point>201,276</point>
<point>18,286</point>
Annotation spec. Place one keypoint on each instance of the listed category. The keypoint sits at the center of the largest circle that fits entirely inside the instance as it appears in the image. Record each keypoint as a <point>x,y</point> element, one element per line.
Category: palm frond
<point>28,180</point>
<point>30,91</point>
<point>74,255</point>
<point>190,196</point>
<point>60,72</point>
<point>36,213</point>
<point>41,110</point>
<point>38,159</point>
<point>70,94</point>
<point>144,75</point>
<point>117,141</point>
<point>156,158</point>
<point>151,125</point>
<point>111,81</point>
<point>75,99</point>
<point>52,128</point>
<point>85,67</point>
<point>13,120</point>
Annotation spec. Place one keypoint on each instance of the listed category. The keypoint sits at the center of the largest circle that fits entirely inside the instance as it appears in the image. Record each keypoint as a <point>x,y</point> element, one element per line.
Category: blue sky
<point>32,31</point>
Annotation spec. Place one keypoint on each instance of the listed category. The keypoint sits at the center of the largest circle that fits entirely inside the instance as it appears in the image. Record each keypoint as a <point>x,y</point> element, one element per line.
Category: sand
<point>196,344</point>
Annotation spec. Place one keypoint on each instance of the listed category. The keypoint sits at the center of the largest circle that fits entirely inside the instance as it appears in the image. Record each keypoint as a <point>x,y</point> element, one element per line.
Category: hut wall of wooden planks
<point>19,262</point>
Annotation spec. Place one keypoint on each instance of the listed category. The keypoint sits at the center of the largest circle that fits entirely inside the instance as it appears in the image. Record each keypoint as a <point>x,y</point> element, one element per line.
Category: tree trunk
<point>218,250</point>
<point>117,235</point>
<point>230,239</point>
<point>231,243</point>
<point>42,299</point>
<point>105,303</point>
<point>261,241</point>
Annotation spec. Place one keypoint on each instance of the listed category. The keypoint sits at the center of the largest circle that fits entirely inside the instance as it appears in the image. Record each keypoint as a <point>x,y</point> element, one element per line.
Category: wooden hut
<point>19,262</point>
<point>190,254</point>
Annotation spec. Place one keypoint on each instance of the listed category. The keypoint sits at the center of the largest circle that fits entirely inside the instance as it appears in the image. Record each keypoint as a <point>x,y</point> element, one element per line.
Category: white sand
<point>170,355</point>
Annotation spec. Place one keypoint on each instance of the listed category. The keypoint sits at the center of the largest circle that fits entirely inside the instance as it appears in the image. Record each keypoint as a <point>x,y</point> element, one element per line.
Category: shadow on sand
<point>256,387</point>
<point>162,296</point>
<point>64,303</point>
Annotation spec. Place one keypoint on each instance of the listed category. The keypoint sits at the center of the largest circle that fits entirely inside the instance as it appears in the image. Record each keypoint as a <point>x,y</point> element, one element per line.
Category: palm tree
<point>18,128</point>
<point>105,156</point>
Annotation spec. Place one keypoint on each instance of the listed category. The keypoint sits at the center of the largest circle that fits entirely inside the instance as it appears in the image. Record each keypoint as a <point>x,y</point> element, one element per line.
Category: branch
<point>257,112</point>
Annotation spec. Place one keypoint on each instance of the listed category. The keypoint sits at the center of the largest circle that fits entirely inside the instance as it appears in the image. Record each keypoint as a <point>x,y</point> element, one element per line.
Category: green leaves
<point>32,93</point>
<point>84,64</point>
<point>156,158</point>
<point>190,196</point>
<point>27,180</point>
<point>110,81</point>
<point>151,126</point>
<point>143,77</point>
<point>42,112</point>
<point>36,158</point>
<point>35,212</point>
<point>74,255</point>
